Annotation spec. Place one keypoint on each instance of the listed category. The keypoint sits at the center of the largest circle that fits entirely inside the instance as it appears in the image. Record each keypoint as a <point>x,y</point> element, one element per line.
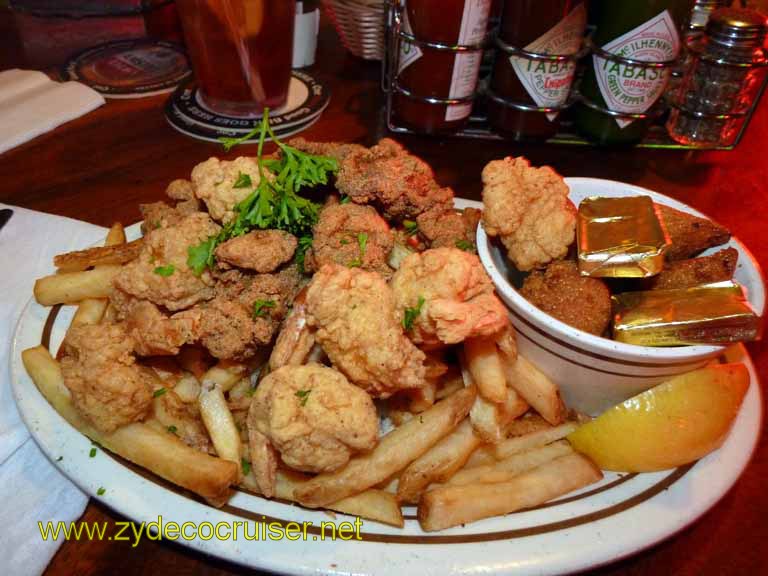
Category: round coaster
<point>130,68</point>
<point>184,125</point>
<point>307,98</point>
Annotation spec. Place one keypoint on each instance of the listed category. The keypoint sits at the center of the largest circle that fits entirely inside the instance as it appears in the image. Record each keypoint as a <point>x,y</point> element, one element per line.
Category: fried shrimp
<point>160,274</point>
<point>314,417</point>
<point>107,385</point>
<point>360,329</point>
<point>529,210</point>
<point>260,250</point>
<point>350,234</point>
<point>222,184</point>
<point>387,176</point>
<point>450,295</point>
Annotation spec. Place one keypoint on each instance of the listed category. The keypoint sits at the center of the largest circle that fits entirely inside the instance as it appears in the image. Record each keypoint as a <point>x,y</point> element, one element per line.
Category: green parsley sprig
<point>275,202</point>
<point>261,308</point>
<point>362,244</point>
<point>412,313</point>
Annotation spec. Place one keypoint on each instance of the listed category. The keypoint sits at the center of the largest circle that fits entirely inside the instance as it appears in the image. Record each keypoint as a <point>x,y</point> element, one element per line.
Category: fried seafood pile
<point>253,337</point>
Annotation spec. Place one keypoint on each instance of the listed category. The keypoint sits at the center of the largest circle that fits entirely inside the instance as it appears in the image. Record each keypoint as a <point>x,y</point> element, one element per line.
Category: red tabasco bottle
<point>645,31</point>
<point>551,27</point>
<point>428,72</point>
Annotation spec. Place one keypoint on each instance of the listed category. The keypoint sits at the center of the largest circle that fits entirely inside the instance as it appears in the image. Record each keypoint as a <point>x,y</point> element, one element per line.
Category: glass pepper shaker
<point>722,80</point>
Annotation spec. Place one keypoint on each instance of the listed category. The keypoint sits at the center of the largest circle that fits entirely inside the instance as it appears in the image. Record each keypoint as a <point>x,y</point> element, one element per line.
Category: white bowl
<point>595,373</point>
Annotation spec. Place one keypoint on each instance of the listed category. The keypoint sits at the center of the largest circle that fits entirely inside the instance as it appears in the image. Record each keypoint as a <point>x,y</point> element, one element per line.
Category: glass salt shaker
<point>722,81</point>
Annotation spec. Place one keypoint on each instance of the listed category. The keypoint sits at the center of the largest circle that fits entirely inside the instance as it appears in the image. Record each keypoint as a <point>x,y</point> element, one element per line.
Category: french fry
<point>373,504</point>
<point>72,287</point>
<point>504,470</point>
<point>491,420</point>
<point>98,256</point>
<point>224,375</point>
<point>91,310</point>
<point>487,371</point>
<point>538,390</point>
<point>527,424</point>
<point>453,505</point>
<point>159,452</point>
<point>115,235</point>
<point>219,422</point>
<point>395,451</point>
<point>519,444</point>
<point>438,463</point>
<point>482,456</point>
<point>187,388</point>
<point>422,398</point>
<point>450,383</point>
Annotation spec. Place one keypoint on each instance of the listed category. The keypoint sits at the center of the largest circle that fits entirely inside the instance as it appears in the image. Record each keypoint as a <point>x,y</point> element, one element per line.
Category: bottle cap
<point>737,27</point>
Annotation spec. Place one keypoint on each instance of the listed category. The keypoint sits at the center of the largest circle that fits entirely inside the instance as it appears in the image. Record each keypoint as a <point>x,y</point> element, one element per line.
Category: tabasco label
<point>634,89</point>
<point>549,83</point>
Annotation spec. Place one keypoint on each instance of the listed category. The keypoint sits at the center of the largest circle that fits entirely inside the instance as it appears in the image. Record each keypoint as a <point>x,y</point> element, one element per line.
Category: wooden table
<point>100,167</point>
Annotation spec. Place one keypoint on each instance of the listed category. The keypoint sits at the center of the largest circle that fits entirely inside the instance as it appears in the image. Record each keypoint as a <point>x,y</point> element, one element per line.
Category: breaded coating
<point>338,233</point>
<point>337,150</point>
<point>170,410</point>
<point>314,417</point>
<point>160,274</point>
<point>153,333</point>
<point>260,250</point>
<point>161,215</point>
<point>529,209</point>
<point>245,313</point>
<point>361,331</point>
<point>108,388</point>
<point>180,189</point>
<point>396,182</point>
<point>214,183</point>
<point>717,267</point>
<point>450,228</point>
<point>562,292</point>
<point>458,297</point>
<point>690,235</point>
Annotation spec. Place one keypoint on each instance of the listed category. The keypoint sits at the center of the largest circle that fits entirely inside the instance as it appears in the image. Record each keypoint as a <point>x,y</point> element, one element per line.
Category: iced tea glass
<point>240,51</point>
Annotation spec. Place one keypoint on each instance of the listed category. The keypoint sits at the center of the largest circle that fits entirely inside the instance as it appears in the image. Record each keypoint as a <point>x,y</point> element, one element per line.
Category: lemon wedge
<point>672,424</point>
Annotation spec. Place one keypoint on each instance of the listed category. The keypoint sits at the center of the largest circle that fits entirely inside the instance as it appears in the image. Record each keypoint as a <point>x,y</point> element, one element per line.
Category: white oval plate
<point>604,522</point>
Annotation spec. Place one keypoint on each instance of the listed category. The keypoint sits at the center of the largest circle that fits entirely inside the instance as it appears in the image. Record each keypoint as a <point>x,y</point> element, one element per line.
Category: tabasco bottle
<point>441,74</point>
<point>646,31</point>
<point>553,27</point>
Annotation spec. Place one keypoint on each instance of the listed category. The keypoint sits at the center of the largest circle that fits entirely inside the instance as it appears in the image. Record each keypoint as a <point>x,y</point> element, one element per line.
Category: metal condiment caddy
<point>478,126</point>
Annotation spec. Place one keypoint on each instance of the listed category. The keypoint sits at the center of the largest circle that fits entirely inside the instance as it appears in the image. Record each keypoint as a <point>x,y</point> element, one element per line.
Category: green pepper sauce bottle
<point>646,30</point>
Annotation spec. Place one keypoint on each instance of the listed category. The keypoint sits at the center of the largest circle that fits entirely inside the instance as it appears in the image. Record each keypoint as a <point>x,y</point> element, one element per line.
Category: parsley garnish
<point>412,313</point>
<point>303,395</point>
<point>92,453</point>
<point>165,270</point>
<point>260,308</point>
<point>305,243</point>
<point>411,228</point>
<point>172,429</point>
<point>246,466</point>
<point>101,491</point>
<point>362,243</point>
<point>465,245</point>
<point>159,392</point>
<point>275,203</point>
<point>243,181</point>
<point>345,199</point>
<point>60,458</point>
<point>343,241</point>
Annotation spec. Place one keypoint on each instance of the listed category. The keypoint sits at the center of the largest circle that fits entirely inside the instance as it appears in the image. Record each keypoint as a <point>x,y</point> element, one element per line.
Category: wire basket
<point>361,25</point>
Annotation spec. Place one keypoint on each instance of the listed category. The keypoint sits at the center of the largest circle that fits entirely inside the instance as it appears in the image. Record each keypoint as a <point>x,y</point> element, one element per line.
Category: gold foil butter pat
<point>709,314</point>
<point>620,238</point>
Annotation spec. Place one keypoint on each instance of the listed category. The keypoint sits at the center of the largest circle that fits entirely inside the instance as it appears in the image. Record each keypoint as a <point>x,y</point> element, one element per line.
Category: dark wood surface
<point>100,167</point>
